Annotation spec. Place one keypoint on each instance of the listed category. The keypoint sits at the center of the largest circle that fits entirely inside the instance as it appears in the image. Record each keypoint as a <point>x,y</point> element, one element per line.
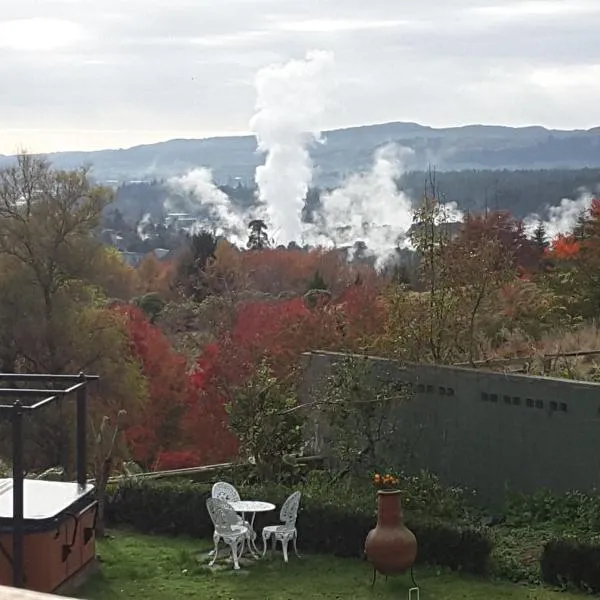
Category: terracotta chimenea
<point>390,547</point>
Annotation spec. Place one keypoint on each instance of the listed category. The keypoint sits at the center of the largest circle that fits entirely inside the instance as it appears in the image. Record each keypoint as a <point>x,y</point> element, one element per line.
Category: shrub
<point>262,415</point>
<point>569,561</point>
<point>329,523</point>
<point>575,510</point>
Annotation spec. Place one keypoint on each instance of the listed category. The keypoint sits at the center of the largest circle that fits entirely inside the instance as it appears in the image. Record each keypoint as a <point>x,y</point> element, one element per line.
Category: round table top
<point>251,506</point>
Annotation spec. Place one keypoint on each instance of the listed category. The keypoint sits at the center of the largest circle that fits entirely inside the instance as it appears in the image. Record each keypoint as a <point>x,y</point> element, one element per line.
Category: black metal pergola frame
<point>26,403</point>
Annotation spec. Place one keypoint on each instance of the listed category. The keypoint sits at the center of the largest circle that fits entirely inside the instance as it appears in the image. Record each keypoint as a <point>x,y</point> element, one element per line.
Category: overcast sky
<point>84,74</point>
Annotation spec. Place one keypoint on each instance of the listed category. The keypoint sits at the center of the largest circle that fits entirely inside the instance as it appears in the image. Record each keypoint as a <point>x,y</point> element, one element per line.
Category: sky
<point>90,74</point>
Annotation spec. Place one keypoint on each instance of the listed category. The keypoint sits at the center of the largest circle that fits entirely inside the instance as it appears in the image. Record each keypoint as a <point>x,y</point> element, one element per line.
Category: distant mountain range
<point>350,150</point>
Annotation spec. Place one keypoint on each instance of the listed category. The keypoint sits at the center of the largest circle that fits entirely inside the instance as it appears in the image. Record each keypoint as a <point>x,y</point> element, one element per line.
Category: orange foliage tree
<point>155,276</point>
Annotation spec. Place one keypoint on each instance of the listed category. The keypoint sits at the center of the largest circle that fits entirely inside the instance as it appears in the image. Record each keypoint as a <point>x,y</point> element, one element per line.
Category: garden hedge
<point>328,525</point>
<point>569,561</point>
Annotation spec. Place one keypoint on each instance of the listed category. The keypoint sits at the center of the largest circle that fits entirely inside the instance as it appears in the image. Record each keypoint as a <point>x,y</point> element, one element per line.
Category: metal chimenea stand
<point>38,391</point>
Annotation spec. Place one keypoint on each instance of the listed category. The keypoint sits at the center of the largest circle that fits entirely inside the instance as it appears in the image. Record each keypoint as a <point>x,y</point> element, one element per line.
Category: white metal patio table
<point>251,506</point>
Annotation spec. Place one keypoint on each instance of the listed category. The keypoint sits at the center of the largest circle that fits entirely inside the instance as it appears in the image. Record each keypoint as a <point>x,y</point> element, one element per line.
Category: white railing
<point>9,593</point>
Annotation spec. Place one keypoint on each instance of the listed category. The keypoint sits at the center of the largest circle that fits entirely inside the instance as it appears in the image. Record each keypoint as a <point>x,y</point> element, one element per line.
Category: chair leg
<point>234,554</point>
<point>294,539</point>
<point>265,537</point>
<point>215,551</point>
<point>284,546</point>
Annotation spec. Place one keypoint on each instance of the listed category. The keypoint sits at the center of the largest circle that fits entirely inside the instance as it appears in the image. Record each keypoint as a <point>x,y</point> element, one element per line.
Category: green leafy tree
<point>361,406</point>
<point>54,316</point>
<point>263,415</point>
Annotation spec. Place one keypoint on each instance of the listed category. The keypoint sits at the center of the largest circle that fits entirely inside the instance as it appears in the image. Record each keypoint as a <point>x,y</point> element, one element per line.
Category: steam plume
<point>370,208</point>
<point>291,101</point>
<point>142,226</point>
<point>560,219</point>
<point>197,195</point>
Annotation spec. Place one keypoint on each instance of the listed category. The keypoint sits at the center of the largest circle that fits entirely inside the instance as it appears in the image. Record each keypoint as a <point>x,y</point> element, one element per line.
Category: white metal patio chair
<point>225,491</point>
<point>287,530</point>
<point>229,527</point>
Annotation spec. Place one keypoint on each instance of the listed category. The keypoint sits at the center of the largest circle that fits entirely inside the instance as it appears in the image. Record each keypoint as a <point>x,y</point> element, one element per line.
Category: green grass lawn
<point>149,568</point>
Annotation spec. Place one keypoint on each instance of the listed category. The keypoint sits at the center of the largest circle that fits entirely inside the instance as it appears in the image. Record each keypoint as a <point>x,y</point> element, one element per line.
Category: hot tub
<point>58,532</point>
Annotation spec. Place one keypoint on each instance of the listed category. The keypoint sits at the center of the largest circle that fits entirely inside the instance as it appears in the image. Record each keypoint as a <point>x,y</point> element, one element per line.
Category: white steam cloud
<point>560,219</point>
<point>368,207</point>
<point>198,196</point>
<point>142,227</point>
<point>291,101</point>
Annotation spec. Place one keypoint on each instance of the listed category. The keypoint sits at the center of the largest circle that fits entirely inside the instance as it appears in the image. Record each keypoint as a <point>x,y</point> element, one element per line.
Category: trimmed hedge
<point>327,525</point>
<point>569,561</point>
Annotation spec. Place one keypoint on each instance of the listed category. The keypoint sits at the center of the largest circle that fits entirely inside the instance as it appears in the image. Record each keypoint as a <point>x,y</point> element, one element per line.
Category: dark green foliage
<point>575,510</point>
<point>258,238</point>
<point>568,561</point>
<point>521,192</point>
<point>361,406</point>
<point>192,264</point>
<point>262,415</point>
<point>317,283</point>
<point>151,304</point>
<point>328,523</point>
<point>540,237</point>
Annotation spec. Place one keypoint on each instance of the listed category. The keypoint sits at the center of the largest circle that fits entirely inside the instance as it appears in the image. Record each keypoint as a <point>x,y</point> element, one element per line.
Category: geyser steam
<point>197,194</point>
<point>368,207</point>
<point>560,219</point>
<point>291,101</point>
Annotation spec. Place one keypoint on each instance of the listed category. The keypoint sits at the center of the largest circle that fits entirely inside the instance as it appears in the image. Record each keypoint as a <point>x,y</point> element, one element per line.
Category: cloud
<point>39,35</point>
<point>187,66</point>
<point>555,8</point>
<point>337,25</point>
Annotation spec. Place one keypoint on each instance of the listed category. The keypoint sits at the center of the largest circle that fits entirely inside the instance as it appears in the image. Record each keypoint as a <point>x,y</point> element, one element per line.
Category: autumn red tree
<point>510,234</point>
<point>158,428</point>
<point>278,331</point>
<point>204,426</point>
<point>564,247</point>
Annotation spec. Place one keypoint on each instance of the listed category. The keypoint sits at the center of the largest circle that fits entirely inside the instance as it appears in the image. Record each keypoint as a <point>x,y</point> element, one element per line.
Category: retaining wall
<point>489,431</point>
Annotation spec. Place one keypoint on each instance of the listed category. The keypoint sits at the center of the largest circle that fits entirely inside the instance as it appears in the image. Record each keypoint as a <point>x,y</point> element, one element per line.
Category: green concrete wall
<point>488,431</point>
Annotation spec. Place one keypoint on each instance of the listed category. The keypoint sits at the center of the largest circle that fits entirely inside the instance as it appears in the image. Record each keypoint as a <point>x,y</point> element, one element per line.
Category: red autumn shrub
<point>178,459</point>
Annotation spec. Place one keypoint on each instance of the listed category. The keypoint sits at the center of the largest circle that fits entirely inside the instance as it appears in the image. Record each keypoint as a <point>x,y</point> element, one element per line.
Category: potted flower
<point>386,480</point>
<point>390,547</point>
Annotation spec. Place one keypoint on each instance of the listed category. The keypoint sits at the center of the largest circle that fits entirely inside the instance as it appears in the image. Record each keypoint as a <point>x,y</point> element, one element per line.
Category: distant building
<point>181,221</point>
<point>133,259</point>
